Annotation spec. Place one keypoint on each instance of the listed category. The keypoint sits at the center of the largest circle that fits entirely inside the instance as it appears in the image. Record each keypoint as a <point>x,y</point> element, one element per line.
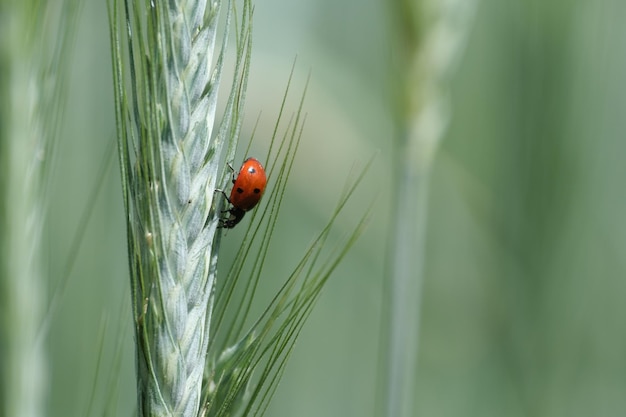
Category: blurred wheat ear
<point>429,37</point>
<point>35,43</point>
<point>167,70</point>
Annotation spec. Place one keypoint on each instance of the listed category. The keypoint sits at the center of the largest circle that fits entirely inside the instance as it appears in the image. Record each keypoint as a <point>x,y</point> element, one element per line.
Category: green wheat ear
<point>191,359</point>
<point>166,86</point>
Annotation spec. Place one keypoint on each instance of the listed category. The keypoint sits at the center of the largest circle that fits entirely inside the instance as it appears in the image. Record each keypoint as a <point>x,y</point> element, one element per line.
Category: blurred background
<point>525,273</point>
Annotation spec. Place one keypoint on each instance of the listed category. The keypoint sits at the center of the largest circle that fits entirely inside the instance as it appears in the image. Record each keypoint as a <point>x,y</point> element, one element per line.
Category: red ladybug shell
<point>249,186</point>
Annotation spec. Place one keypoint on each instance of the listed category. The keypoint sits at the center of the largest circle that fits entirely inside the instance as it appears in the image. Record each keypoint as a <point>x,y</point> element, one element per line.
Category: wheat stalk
<point>429,38</point>
<point>166,99</point>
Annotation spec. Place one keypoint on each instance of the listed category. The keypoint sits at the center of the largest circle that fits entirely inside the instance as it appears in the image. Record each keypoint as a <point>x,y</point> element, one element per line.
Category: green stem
<point>407,270</point>
<point>428,40</point>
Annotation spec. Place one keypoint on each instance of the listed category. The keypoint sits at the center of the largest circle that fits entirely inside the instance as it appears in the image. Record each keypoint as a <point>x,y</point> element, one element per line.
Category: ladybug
<point>247,190</point>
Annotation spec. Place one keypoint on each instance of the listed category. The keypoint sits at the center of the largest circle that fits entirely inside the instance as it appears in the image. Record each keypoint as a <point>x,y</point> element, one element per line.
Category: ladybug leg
<point>232,220</point>
<point>217,190</point>
<point>223,223</point>
<point>232,171</point>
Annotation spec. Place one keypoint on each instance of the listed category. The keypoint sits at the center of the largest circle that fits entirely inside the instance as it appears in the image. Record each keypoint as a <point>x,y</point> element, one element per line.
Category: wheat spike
<point>166,97</point>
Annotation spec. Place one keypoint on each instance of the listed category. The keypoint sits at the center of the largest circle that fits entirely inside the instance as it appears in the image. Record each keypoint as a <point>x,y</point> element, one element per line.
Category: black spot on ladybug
<point>256,191</point>
<point>239,190</point>
<point>251,170</point>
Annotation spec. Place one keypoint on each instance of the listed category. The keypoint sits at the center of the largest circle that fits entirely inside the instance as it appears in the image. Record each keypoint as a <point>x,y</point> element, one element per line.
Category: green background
<point>523,311</point>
